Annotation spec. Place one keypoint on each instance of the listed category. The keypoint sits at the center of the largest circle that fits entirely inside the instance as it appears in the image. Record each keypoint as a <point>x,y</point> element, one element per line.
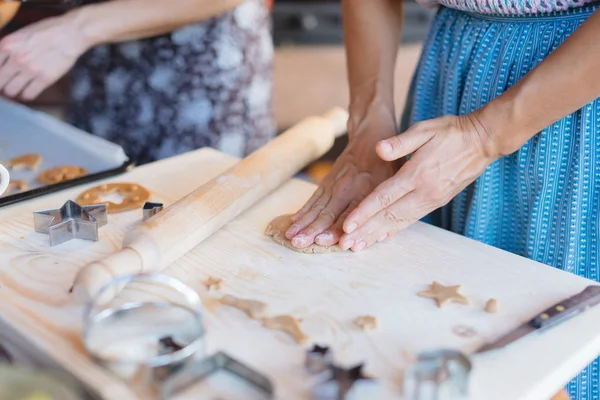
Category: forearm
<point>122,20</point>
<point>372,36</point>
<point>565,81</point>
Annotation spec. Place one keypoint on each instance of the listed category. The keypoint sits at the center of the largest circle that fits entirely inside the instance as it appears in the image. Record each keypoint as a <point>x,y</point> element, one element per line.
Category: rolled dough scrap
<point>213,283</point>
<point>287,324</point>
<point>366,322</point>
<point>491,306</point>
<point>134,196</point>
<point>254,309</point>
<point>16,185</point>
<point>26,161</point>
<point>276,229</point>
<point>444,294</point>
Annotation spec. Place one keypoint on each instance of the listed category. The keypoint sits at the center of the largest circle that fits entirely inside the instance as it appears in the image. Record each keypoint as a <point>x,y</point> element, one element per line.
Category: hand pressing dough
<point>276,229</point>
<point>366,322</point>
<point>29,161</point>
<point>444,294</point>
<point>254,309</point>
<point>213,283</point>
<point>491,306</point>
<point>287,324</point>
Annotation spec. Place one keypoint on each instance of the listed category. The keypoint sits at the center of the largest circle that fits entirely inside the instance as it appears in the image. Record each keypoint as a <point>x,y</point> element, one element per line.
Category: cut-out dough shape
<point>444,294</point>
<point>253,308</point>
<point>16,185</point>
<point>276,229</point>
<point>29,161</point>
<point>366,322</point>
<point>134,196</point>
<point>213,283</point>
<point>61,174</point>
<point>464,331</point>
<point>287,324</point>
<point>491,306</point>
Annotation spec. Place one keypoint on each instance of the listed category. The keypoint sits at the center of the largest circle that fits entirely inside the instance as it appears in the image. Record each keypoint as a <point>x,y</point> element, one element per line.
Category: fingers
<point>17,84</point>
<point>308,205</point>
<point>406,211</point>
<point>34,89</point>
<point>382,197</point>
<point>404,144</point>
<point>331,236</point>
<point>7,73</point>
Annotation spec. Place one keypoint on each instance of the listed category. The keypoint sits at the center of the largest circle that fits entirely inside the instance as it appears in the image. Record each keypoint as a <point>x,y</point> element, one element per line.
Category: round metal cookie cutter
<point>153,327</point>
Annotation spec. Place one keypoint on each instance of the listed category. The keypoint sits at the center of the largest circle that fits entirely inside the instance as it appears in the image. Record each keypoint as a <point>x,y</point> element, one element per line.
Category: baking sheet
<point>23,130</point>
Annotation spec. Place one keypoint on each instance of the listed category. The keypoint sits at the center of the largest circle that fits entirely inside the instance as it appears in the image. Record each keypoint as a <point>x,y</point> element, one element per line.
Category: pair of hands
<point>372,191</point>
<point>36,56</point>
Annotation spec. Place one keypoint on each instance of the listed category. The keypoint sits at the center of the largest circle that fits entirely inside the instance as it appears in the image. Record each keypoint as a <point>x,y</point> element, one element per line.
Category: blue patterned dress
<point>541,202</point>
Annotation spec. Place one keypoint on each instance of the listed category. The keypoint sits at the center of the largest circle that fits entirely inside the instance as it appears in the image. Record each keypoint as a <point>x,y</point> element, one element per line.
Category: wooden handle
<point>177,229</point>
<point>8,9</point>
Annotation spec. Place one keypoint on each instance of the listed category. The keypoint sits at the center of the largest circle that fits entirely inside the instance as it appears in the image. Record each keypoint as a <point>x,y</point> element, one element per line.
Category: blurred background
<point>310,69</point>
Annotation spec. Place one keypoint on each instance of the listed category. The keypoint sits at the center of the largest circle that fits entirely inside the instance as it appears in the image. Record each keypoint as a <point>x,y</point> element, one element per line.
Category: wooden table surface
<point>325,291</point>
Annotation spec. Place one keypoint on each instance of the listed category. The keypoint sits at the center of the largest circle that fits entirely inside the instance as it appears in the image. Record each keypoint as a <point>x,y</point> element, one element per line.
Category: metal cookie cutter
<point>202,369</point>
<point>151,209</point>
<point>152,328</point>
<point>318,359</point>
<point>440,374</point>
<point>339,383</point>
<point>71,221</point>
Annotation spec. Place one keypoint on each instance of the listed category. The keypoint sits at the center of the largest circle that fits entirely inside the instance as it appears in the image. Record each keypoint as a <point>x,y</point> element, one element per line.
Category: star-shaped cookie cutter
<point>318,359</point>
<point>71,221</point>
<point>338,383</point>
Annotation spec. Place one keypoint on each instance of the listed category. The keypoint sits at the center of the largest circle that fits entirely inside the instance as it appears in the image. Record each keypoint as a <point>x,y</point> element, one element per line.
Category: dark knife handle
<point>567,308</point>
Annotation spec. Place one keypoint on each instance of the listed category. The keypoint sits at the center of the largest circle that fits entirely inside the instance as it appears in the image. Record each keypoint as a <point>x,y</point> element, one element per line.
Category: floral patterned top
<point>207,84</point>
<point>509,7</point>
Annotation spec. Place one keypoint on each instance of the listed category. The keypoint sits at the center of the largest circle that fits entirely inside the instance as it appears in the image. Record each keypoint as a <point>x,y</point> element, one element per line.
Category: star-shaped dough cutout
<point>444,294</point>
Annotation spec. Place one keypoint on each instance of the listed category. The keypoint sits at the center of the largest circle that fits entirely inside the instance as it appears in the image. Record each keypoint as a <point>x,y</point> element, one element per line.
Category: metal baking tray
<point>23,130</point>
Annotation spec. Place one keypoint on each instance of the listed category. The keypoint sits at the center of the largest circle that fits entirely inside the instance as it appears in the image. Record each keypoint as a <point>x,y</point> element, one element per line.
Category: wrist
<point>364,111</point>
<point>86,27</point>
<point>504,125</point>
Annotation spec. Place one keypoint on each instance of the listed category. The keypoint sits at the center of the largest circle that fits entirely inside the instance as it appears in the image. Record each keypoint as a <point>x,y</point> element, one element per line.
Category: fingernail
<point>323,236</point>
<point>347,244</point>
<point>295,217</point>
<point>385,146</point>
<point>351,228</point>
<point>381,239</point>
<point>292,231</point>
<point>359,246</point>
<point>299,240</point>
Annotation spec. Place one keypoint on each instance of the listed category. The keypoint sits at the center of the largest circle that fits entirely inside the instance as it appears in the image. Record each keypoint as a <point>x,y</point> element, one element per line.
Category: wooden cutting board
<point>326,291</point>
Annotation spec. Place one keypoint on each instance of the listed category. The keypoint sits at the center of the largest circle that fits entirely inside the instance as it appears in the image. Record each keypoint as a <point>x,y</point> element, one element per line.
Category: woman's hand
<point>353,176</point>
<point>36,56</point>
<point>448,153</point>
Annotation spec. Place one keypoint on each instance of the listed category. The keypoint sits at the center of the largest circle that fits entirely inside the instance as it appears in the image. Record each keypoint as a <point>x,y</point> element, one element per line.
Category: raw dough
<point>444,294</point>
<point>61,174</point>
<point>26,161</point>
<point>491,306</point>
<point>287,324</point>
<point>17,185</point>
<point>254,309</point>
<point>213,283</point>
<point>134,196</point>
<point>276,229</point>
<point>366,322</point>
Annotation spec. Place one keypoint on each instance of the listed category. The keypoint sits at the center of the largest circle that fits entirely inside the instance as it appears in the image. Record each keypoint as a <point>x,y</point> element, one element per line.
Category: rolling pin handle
<point>339,118</point>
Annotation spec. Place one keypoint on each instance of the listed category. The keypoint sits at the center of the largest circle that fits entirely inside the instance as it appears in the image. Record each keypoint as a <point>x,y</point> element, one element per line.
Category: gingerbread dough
<point>276,229</point>
<point>287,324</point>
<point>29,161</point>
<point>61,174</point>
<point>213,283</point>
<point>134,196</point>
<point>444,294</point>
<point>491,306</point>
<point>366,322</point>
<point>254,309</point>
<point>16,185</point>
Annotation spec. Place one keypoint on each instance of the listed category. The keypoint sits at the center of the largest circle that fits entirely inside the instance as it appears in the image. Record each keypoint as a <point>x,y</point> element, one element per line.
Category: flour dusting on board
<point>237,181</point>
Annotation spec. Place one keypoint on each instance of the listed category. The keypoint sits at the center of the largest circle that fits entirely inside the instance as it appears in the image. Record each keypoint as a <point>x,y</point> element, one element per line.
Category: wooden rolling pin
<point>8,9</point>
<point>168,235</point>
